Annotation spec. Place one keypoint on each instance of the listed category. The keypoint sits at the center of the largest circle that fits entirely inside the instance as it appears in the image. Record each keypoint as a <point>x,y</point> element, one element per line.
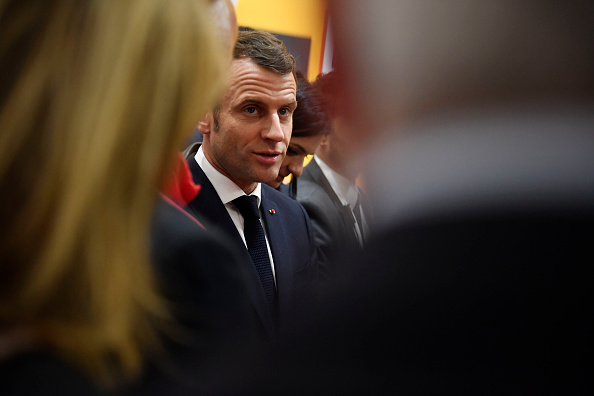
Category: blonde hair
<point>95,97</point>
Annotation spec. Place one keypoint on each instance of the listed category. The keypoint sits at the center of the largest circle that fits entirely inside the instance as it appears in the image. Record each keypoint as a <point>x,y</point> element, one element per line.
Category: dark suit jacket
<point>333,223</point>
<point>204,279</point>
<point>291,241</point>
<point>200,272</point>
<point>287,189</point>
<point>207,282</point>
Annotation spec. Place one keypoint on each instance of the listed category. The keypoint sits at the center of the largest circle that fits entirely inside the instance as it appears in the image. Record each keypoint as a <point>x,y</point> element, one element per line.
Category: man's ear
<point>206,124</point>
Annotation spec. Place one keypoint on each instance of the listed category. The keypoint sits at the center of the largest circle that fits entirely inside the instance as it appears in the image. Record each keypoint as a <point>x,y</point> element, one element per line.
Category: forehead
<point>247,80</point>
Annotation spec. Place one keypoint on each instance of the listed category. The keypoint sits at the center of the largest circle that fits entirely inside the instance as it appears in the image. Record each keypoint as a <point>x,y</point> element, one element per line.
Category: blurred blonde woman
<point>95,97</point>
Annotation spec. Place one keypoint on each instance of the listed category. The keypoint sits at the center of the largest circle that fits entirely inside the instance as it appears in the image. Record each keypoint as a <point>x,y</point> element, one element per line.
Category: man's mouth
<point>268,158</point>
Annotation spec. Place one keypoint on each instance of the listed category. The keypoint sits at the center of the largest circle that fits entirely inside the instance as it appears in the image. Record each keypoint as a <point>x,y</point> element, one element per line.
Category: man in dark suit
<point>245,139</point>
<point>328,186</point>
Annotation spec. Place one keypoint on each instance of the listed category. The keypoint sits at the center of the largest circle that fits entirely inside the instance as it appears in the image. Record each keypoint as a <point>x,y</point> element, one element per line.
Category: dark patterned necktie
<point>256,243</point>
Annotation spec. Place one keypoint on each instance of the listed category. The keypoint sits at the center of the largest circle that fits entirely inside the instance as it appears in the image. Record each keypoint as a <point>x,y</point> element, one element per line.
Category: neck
<point>246,185</point>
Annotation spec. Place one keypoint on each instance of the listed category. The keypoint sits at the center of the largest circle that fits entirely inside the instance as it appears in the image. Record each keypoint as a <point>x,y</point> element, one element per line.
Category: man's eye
<point>291,151</point>
<point>284,112</point>
<point>251,109</point>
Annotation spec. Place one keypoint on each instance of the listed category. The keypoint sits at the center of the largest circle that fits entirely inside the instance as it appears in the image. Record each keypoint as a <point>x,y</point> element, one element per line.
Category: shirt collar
<point>225,188</point>
<point>346,191</point>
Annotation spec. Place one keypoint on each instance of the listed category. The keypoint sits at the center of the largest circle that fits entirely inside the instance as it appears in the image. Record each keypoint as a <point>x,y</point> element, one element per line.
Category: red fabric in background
<point>180,187</point>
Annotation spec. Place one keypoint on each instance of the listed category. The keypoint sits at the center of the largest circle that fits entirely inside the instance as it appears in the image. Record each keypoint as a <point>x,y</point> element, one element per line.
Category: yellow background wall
<point>300,18</point>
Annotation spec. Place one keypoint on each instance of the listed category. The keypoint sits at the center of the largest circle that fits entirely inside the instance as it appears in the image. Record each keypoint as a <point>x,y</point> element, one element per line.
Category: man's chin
<point>274,184</point>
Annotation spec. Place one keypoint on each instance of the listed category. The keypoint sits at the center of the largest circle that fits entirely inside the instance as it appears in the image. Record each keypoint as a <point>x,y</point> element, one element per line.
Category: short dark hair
<point>309,118</point>
<point>265,50</point>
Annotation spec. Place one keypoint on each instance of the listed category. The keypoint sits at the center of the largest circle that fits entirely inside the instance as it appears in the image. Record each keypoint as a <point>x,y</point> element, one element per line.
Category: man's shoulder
<point>308,187</point>
<point>269,193</point>
<point>313,184</point>
<point>290,207</point>
<point>284,189</point>
<point>309,191</point>
<point>311,171</point>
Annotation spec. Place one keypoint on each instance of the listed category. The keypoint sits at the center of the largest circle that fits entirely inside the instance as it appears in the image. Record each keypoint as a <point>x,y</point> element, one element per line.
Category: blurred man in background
<point>329,192</point>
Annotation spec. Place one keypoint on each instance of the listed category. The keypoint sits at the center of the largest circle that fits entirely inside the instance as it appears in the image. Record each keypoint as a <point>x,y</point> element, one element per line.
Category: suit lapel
<point>314,173</point>
<point>207,206</point>
<point>210,210</point>
<point>278,237</point>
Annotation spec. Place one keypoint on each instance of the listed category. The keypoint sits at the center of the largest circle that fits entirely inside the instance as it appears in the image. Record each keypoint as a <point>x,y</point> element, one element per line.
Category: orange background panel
<point>299,18</point>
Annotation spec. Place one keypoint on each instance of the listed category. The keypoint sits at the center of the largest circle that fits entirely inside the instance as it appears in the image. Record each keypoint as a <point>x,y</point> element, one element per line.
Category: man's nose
<point>274,131</point>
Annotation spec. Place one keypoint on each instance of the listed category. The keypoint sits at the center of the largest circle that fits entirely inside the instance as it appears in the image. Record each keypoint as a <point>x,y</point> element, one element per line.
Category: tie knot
<point>247,205</point>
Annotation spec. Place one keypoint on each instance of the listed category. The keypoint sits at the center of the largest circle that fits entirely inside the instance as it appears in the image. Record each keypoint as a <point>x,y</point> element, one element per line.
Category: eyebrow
<point>292,104</point>
<point>251,100</point>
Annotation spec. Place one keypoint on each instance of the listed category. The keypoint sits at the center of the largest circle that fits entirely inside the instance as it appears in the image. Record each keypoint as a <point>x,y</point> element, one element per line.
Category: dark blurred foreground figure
<point>478,278</point>
<point>95,97</point>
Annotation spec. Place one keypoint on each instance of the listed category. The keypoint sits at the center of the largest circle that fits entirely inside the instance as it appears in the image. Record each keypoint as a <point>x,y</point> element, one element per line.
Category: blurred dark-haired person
<point>245,141</point>
<point>309,126</point>
<point>328,188</point>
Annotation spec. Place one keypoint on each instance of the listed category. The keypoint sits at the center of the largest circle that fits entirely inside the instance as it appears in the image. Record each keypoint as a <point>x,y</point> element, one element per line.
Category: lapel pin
<point>272,211</point>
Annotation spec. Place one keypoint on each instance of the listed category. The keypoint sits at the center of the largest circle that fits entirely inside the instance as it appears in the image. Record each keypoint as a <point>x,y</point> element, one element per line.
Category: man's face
<point>255,120</point>
<point>299,148</point>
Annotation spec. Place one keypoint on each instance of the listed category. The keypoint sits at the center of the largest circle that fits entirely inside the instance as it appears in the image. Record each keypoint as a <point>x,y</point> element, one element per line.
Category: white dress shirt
<point>227,192</point>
